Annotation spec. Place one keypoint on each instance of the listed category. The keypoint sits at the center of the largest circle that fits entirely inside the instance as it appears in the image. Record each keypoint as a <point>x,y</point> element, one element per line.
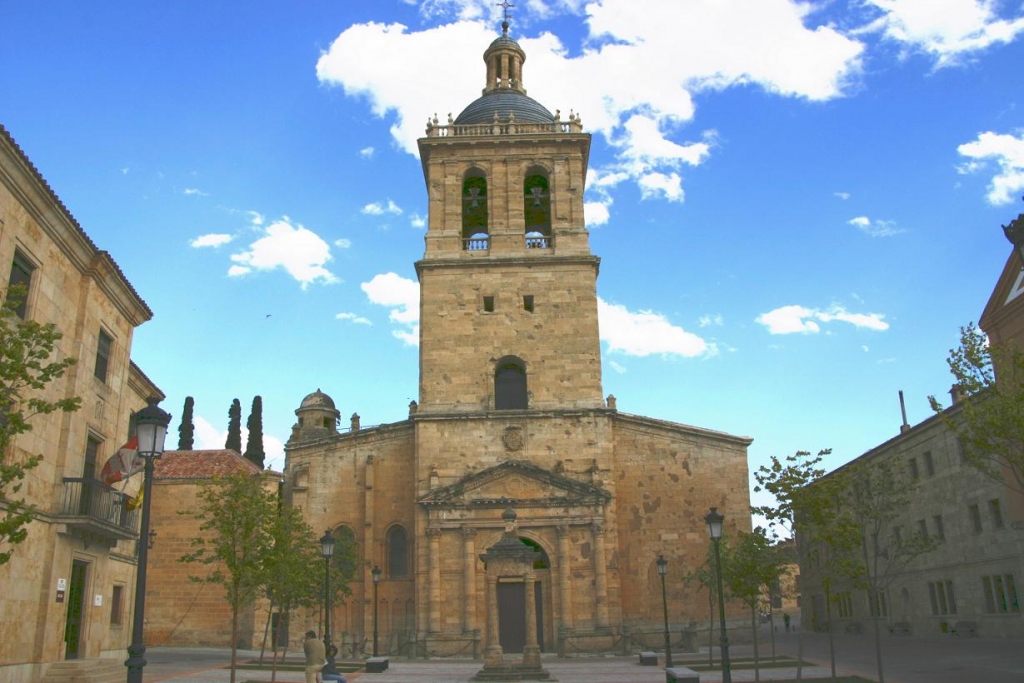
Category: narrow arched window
<point>346,550</point>
<point>537,209</point>
<point>475,231</point>
<point>398,553</point>
<point>510,384</point>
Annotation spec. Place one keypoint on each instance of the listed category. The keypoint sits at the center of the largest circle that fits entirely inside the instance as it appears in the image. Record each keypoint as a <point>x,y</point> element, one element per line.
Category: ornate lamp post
<point>714,520</point>
<point>151,429</point>
<point>376,580</point>
<point>662,569</point>
<point>327,550</point>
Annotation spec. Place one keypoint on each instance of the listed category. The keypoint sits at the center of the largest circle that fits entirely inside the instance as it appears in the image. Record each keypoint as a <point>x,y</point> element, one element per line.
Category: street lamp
<point>327,550</point>
<point>376,580</point>
<point>714,520</point>
<point>150,430</point>
<point>662,569</point>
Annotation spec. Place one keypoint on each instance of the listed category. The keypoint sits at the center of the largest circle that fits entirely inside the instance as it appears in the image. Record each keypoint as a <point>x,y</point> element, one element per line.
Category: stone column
<point>493,655</point>
<point>531,651</point>
<point>564,584</point>
<point>600,576</point>
<point>435,580</point>
<point>468,579</point>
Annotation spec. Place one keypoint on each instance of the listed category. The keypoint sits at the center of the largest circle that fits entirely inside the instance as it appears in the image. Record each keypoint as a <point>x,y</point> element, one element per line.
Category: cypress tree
<point>254,444</point>
<point>186,431</point>
<point>234,441</point>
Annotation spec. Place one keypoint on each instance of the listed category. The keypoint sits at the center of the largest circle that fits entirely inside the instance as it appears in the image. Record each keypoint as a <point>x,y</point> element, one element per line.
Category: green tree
<point>234,440</point>
<point>990,422</point>
<point>875,496</point>
<point>750,566</point>
<point>186,430</point>
<point>27,369</point>
<point>806,510</point>
<point>236,515</point>
<point>254,444</point>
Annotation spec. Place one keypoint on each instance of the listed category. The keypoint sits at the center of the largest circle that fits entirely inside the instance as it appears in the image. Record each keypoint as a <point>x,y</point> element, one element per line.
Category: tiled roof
<point>202,464</point>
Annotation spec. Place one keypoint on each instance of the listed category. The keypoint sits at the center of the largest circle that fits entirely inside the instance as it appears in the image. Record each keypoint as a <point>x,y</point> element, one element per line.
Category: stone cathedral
<point>511,424</point>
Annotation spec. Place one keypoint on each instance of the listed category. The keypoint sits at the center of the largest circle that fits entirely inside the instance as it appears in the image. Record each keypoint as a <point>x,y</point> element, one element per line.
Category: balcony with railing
<point>508,126</point>
<point>93,510</point>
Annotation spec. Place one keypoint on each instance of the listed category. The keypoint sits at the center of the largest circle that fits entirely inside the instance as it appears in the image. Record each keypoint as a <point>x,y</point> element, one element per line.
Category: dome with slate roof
<point>504,96</point>
<point>317,399</point>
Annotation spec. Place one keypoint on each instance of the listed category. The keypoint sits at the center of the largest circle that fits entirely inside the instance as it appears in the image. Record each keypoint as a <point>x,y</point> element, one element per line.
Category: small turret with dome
<point>317,415</point>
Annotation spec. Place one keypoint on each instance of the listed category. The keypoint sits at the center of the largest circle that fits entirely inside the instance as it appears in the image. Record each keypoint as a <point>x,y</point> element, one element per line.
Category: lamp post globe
<point>662,570</point>
<point>150,431</point>
<point>375,572</point>
<point>714,521</point>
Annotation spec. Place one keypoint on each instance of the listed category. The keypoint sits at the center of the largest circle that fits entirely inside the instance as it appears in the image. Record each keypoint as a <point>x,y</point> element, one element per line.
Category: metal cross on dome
<point>505,5</point>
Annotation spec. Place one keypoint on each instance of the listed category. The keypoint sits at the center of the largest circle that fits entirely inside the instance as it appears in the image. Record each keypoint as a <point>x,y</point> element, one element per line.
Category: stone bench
<point>681,674</point>
<point>967,629</point>
<point>376,665</point>
<point>900,628</point>
<point>648,659</point>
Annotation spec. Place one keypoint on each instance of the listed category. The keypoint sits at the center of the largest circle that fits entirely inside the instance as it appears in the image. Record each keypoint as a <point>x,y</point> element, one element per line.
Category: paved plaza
<point>907,660</point>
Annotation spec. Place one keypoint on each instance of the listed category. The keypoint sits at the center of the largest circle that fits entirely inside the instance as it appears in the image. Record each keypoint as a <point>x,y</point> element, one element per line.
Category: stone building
<point>181,612</point>
<point>968,583</point>
<point>68,588</point>
<point>511,415</point>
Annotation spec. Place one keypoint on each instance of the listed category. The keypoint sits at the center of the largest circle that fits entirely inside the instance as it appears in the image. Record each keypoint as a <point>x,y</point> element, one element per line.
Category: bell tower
<point>508,285</point>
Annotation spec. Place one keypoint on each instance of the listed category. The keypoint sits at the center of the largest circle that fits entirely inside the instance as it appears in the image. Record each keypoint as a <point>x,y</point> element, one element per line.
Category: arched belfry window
<point>537,209</point>
<point>475,230</point>
<point>510,384</point>
<point>397,553</point>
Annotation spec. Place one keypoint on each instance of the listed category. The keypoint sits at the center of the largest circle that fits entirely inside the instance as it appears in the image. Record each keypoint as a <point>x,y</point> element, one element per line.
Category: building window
<point>537,209</point>
<point>510,384</point>
<point>997,513</point>
<point>975,513</point>
<point>103,356</point>
<point>845,604</point>
<point>879,606</point>
<point>86,494</point>
<point>528,303</point>
<point>117,606</point>
<point>912,466</point>
<point>398,553</point>
<point>489,304</point>
<point>922,528</point>
<point>897,535</point>
<point>21,276</point>
<point>1000,594</point>
<point>929,464</point>
<point>940,529</point>
<point>475,231</point>
<point>942,598</point>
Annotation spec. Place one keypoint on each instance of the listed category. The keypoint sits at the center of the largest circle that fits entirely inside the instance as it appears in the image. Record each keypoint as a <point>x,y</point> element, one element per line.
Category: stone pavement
<point>943,659</point>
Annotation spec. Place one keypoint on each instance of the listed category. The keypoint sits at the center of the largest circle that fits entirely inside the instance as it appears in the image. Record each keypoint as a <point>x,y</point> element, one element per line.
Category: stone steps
<point>86,671</point>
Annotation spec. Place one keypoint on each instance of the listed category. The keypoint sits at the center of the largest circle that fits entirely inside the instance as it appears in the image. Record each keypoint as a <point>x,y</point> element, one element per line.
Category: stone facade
<point>511,415</point>
<point>973,576</point>
<point>69,586</point>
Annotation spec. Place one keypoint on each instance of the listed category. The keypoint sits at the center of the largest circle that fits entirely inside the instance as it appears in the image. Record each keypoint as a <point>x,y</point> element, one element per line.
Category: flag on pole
<point>136,502</point>
<point>123,464</point>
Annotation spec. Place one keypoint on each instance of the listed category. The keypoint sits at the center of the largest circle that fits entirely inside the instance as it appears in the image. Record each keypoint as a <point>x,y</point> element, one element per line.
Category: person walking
<point>785,620</point>
<point>316,657</point>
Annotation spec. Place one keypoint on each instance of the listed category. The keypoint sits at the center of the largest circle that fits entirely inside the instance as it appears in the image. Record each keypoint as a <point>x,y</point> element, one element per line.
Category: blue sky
<point>797,205</point>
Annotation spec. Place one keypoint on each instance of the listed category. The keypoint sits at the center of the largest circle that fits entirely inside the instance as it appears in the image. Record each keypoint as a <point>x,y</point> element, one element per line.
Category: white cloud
<point>946,29</point>
<point>708,320</point>
<point>875,228</point>
<point>367,152</point>
<point>207,437</point>
<point>417,221</point>
<point>353,318</point>
<point>641,111</point>
<point>596,212</point>
<point>1007,151</point>
<point>402,296</point>
<point>842,195</point>
<point>800,319</point>
<point>343,243</point>
<point>211,240</point>
<point>191,191</point>
<point>618,368</point>
<point>647,333</point>
<point>300,252</point>
<point>380,208</point>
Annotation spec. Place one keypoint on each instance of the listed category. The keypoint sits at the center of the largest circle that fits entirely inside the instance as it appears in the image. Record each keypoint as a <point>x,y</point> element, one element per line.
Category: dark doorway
<point>512,616</point>
<point>76,606</point>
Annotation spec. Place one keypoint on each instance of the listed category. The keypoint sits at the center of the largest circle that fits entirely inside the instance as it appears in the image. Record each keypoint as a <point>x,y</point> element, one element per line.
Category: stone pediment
<point>515,484</point>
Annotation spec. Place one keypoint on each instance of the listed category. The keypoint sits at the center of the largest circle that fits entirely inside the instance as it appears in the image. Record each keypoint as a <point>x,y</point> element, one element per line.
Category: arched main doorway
<point>512,601</point>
